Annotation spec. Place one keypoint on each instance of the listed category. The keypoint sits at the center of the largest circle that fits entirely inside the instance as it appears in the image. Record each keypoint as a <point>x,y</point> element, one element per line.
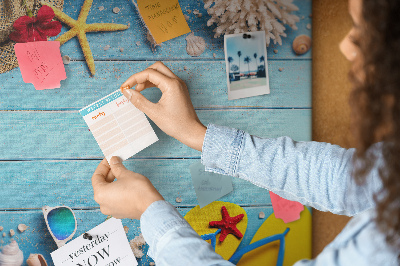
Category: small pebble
<point>189,11</point>
<point>66,59</point>
<point>214,55</point>
<point>178,199</point>
<point>281,69</point>
<point>308,26</point>
<point>12,233</point>
<point>199,15</point>
<point>107,47</point>
<point>22,227</point>
<point>116,10</point>
<point>4,234</point>
<point>275,51</point>
<point>186,16</point>
<point>302,17</point>
<point>129,24</point>
<point>126,229</point>
<point>121,49</point>
<point>261,215</point>
<point>101,8</point>
<point>1,228</point>
<point>196,12</point>
<point>137,43</point>
<point>152,263</point>
<point>185,67</point>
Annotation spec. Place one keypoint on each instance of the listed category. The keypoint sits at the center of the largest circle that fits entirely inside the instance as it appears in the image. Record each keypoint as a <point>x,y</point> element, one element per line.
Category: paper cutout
<point>118,126</point>
<point>209,186</point>
<point>41,64</point>
<point>163,18</point>
<point>284,209</point>
<point>199,219</point>
<point>297,242</point>
<point>109,246</point>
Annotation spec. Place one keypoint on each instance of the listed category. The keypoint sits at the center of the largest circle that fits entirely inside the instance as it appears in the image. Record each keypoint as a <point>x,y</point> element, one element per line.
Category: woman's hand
<point>127,197</point>
<point>174,113</point>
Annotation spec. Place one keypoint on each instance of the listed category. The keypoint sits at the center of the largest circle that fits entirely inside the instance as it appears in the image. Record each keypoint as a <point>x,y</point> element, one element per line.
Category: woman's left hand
<point>127,197</point>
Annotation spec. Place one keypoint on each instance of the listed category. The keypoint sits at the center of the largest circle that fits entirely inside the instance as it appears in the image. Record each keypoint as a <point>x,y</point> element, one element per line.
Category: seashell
<point>116,10</point>
<point>261,215</point>
<point>178,199</point>
<point>11,255</point>
<point>36,260</point>
<point>12,232</point>
<point>22,227</point>
<point>101,8</point>
<point>301,44</point>
<point>66,59</point>
<point>195,45</point>
<point>1,228</point>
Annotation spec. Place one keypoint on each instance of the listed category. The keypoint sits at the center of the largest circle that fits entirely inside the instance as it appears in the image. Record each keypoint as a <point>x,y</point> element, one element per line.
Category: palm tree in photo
<point>262,60</point>
<point>239,54</point>
<point>255,58</point>
<point>230,59</point>
<point>247,60</point>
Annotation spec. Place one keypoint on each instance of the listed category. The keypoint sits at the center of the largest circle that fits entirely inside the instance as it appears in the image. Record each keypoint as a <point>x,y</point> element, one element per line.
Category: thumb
<point>138,100</point>
<point>117,167</point>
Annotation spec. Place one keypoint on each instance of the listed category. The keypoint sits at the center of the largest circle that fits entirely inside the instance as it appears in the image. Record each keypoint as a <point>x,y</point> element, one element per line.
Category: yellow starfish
<point>79,29</point>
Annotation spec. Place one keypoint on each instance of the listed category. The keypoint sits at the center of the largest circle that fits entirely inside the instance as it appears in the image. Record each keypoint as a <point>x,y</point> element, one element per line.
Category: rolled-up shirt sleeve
<point>315,174</point>
<point>172,241</point>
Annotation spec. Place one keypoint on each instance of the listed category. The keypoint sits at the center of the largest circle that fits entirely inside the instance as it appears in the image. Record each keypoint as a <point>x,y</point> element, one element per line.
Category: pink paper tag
<point>41,64</point>
<point>286,210</point>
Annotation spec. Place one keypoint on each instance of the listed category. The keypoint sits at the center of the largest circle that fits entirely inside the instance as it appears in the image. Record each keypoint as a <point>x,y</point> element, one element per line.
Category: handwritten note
<point>164,19</point>
<point>209,186</point>
<point>109,246</point>
<point>284,209</point>
<point>118,126</point>
<point>41,64</point>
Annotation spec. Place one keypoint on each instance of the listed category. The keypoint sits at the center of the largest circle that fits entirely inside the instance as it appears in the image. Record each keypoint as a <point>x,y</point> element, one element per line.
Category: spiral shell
<point>36,260</point>
<point>195,45</point>
<point>11,255</point>
<point>301,44</point>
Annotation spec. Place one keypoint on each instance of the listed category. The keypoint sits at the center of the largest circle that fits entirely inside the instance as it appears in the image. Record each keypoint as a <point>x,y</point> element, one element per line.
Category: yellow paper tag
<point>164,19</point>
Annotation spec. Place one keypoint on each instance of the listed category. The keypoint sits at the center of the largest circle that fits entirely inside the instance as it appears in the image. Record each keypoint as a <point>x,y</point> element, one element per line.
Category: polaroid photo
<point>246,64</point>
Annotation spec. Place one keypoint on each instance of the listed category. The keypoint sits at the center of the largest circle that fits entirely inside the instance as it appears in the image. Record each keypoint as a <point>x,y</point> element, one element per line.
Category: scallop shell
<point>36,260</point>
<point>195,45</point>
<point>301,44</point>
<point>11,255</point>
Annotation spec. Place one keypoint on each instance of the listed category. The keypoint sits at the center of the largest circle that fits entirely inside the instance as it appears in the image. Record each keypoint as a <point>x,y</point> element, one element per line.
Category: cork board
<point>331,88</point>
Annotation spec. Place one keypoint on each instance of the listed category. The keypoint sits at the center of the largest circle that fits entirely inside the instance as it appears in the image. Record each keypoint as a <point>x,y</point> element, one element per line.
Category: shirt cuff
<point>221,150</point>
<point>159,218</point>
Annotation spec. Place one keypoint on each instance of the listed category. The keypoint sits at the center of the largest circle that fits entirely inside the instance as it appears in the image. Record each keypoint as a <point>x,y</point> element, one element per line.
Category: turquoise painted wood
<point>36,238</point>
<point>206,81</point>
<point>48,155</point>
<point>55,134</point>
<point>175,48</point>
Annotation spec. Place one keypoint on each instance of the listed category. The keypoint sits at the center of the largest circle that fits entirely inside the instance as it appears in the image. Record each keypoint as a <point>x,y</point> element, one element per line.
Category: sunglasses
<point>61,223</point>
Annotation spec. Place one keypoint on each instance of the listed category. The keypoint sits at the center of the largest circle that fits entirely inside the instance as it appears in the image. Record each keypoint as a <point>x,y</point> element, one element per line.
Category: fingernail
<point>124,88</point>
<point>128,93</point>
<point>115,160</point>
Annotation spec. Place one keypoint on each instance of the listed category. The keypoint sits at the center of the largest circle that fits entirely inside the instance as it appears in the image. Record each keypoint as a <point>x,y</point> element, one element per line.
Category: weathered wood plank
<point>206,81</point>
<point>36,238</point>
<point>175,48</point>
<point>69,182</point>
<point>40,135</point>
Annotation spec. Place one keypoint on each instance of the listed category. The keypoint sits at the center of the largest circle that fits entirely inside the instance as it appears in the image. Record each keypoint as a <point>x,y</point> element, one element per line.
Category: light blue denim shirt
<point>312,173</point>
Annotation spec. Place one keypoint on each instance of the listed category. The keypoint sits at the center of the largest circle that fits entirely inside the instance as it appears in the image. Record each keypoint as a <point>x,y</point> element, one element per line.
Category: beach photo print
<point>246,64</point>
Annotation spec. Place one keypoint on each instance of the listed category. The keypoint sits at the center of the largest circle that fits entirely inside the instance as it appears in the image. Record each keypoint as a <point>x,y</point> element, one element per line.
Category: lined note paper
<point>118,126</point>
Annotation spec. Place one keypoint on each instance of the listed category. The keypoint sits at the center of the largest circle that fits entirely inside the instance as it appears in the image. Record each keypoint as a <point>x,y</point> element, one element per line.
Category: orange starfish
<point>227,224</point>
<point>79,29</point>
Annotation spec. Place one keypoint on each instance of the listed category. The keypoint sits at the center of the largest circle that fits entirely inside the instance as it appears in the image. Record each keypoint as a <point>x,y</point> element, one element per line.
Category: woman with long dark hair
<point>362,182</point>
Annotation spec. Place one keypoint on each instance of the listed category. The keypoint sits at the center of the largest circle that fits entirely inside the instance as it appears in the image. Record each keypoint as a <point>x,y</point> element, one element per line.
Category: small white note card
<point>109,246</point>
<point>118,126</point>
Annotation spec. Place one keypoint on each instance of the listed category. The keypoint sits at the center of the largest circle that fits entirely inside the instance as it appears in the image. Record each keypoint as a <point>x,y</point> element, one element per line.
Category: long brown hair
<point>375,103</point>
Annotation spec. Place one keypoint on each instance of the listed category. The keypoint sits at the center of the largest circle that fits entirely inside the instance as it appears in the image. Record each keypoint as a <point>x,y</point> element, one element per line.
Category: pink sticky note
<point>286,210</point>
<point>41,64</point>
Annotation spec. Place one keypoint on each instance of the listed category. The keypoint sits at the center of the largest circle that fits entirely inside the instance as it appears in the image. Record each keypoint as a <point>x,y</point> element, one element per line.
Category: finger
<point>159,80</point>
<point>143,86</point>
<point>110,177</point>
<point>117,167</point>
<point>140,102</point>
<point>160,67</point>
<point>100,174</point>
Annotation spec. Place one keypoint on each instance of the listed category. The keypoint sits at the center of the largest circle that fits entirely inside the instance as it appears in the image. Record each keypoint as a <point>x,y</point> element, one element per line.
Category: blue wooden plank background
<point>48,155</point>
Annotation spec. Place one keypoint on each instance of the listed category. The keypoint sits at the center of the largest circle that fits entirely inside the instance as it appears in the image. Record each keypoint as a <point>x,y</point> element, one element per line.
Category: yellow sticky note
<point>164,18</point>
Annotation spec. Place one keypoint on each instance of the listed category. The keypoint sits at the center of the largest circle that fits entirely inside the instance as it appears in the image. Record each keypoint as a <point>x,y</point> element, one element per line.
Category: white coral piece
<point>238,16</point>
<point>136,246</point>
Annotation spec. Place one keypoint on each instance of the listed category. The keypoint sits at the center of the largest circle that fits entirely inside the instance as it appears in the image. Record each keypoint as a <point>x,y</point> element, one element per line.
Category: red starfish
<point>228,224</point>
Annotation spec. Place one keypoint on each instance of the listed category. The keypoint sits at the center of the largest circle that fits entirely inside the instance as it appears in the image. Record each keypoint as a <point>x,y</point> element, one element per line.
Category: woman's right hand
<point>174,112</point>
